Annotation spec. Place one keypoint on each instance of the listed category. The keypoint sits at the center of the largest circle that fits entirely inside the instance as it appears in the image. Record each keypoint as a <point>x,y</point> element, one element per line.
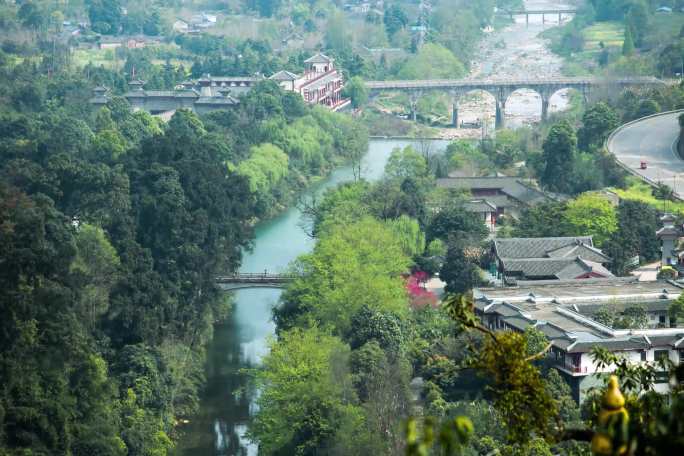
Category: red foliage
<point>419,295</point>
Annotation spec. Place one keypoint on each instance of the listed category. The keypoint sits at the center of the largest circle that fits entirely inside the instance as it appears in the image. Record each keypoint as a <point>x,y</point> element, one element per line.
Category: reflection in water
<point>220,426</point>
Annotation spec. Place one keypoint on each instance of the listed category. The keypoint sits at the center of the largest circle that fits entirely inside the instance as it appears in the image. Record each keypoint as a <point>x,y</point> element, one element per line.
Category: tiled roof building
<point>562,258</point>
<point>321,84</point>
<point>508,194</point>
<point>565,313</point>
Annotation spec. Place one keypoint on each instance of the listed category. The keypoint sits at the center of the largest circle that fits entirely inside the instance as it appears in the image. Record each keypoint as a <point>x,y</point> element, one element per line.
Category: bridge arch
<point>514,106</point>
<point>466,112</point>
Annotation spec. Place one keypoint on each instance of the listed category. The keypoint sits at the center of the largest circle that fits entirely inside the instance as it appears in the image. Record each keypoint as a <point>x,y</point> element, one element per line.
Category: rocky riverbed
<point>514,52</point>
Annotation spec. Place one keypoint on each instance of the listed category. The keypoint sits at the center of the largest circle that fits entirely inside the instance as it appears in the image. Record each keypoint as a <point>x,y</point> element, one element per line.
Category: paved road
<point>652,140</point>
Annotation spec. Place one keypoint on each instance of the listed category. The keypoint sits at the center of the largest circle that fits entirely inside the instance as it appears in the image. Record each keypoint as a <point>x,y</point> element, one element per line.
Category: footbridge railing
<point>255,279</point>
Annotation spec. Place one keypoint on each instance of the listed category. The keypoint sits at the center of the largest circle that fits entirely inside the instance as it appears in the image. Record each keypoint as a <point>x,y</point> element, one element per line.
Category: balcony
<point>570,368</point>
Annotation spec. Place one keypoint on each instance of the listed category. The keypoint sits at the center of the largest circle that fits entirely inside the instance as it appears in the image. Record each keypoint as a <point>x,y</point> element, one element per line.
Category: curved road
<point>653,140</point>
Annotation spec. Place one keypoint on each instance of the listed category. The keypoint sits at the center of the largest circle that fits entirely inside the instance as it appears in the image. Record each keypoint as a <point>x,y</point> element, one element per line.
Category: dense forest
<point>114,226</point>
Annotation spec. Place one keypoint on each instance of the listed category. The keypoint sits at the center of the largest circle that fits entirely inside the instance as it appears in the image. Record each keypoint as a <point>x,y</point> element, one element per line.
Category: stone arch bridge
<point>502,89</point>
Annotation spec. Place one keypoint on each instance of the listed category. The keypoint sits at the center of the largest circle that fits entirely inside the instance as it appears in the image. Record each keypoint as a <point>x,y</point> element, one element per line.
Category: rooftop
<point>479,205</point>
<point>318,58</point>
<point>514,187</point>
<point>562,310</point>
<point>283,75</point>
<point>547,247</point>
<point>560,268</point>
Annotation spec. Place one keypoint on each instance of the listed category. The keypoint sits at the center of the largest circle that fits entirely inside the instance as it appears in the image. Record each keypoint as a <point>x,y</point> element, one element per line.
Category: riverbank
<point>241,341</point>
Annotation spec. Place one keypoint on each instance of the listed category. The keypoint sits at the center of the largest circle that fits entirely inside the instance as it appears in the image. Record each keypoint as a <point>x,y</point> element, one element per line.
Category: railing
<point>258,277</point>
<point>573,81</point>
<point>537,11</point>
<point>570,367</point>
<point>609,142</point>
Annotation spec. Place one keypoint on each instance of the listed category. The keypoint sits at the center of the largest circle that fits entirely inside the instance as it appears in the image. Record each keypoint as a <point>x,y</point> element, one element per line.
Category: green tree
<point>459,271</point>
<point>597,123</point>
<point>591,215</point>
<point>105,16</point>
<point>305,394</point>
<point>455,222</point>
<point>676,311</point>
<point>265,168</point>
<point>647,107</point>
<point>355,89</point>
<point>406,163</point>
<point>432,62</point>
<point>628,43</point>
<point>543,220</point>
<point>346,271</point>
<point>409,233</point>
<point>558,157</point>
<point>394,19</point>
<point>94,269</point>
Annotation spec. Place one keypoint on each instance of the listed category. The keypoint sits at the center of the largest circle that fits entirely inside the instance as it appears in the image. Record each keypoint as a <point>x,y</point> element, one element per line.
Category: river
<point>241,341</point>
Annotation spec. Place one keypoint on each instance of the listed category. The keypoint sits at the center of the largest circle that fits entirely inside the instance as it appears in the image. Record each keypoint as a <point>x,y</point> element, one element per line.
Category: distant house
<point>285,79</point>
<point>507,194</point>
<point>110,42</point>
<point>130,42</point>
<point>181,26</point>
<point>486,212</point>
<point>553,258</point>
<point>322,83</point>
<point>209,18</point>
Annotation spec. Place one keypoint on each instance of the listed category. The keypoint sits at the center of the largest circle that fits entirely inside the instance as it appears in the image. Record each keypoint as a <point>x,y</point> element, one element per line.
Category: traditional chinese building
<point>321,84</point>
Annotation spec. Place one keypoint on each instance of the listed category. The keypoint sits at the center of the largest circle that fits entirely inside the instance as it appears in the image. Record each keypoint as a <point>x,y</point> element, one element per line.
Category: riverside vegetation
<point>114,226</point>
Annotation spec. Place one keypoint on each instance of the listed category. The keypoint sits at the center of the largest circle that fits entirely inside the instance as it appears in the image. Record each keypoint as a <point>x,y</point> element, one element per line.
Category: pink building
<point>321,83</point>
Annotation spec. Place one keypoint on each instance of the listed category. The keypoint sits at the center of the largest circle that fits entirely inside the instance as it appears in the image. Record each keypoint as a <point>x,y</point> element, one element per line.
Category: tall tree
<point>459,270</point>
<point>559,156</point>
<point>591,215</point>
<point>305,398</point>
<point>597,123</point>
<point>628,43</point>
<point>105,16</point>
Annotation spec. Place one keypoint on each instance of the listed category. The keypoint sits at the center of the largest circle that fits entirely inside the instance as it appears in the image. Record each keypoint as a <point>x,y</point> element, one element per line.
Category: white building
<point>181,26</point>
<point>566,312</point>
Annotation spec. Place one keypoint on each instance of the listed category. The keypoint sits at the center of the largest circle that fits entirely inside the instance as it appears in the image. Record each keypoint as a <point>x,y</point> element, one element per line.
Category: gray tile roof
<point>514,187</point>
<point>283,75</point>
<point>584,250</point>
<point>535,247</point>
<point>318,58</point>
<point>580,267</point>
<point>479,205</point>
<point>615,344</point>
<point>161,94</point>
<point>659,305</point>
<point>535,267</point>
<point>668,231</point>
<point>216,101</point>
<point>519,323</point>
<point>665,341</point>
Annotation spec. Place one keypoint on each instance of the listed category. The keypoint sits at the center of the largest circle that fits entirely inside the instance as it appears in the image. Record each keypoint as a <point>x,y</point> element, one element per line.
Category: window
<point>643,355</point>
<point>681,356</point>
<point>660,354</point>
<point>576,358</point>
<point>661,319</point>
